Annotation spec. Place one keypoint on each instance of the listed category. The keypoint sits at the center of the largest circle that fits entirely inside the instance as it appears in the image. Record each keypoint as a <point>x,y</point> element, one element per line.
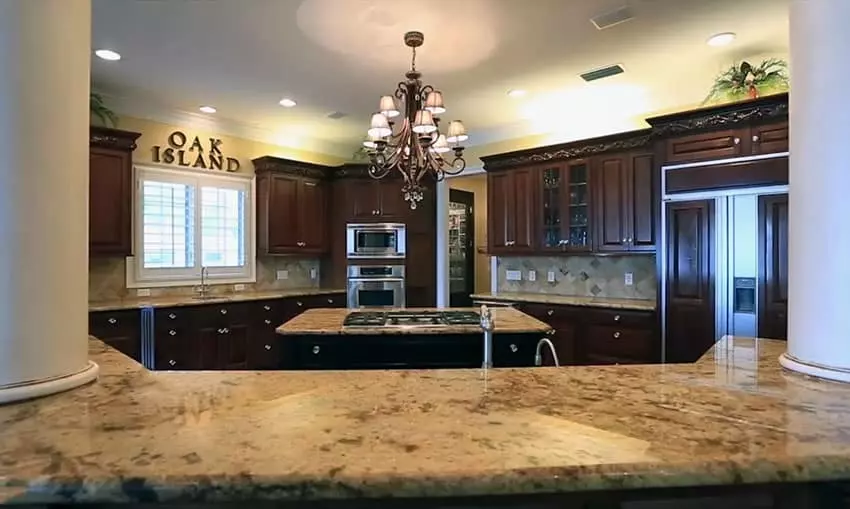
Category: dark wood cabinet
<point>769,138</point>
<point>563,207</point>
<point>292,207</point>
<point>511,203</point>
<point>119,329</point>
<point>369,200</point>
<point>743,140</point>
<point>773,266</point>
<point>626,202</point>
<point>110,191</point>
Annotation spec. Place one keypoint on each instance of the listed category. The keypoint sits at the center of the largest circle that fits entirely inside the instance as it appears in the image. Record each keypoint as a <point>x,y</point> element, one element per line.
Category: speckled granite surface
<point>170,301</point>
<point>569,300</point>
<point>734,417</point>
<point>329,322</point>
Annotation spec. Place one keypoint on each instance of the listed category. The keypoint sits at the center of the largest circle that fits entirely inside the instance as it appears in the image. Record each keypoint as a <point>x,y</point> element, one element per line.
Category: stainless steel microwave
<point>376,240</point>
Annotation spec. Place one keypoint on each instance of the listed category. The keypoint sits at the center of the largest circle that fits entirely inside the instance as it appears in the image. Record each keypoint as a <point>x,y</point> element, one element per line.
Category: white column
<point>45,48</point>
<point>443,244</point>
<point>819,204</point>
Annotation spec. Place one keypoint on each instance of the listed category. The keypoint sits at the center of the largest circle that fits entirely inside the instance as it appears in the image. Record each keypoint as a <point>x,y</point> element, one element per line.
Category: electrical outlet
<point>238,287</point>
<point>550,276</point>
<point>532,275</point>
<point>513,275</point>
<point>143,292</point>
<point>314,273</point>
<point>283,274</point>
<point>629,279</point>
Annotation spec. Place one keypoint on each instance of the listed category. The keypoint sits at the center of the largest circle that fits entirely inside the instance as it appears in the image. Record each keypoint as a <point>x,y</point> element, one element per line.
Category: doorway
<point>461,247</point>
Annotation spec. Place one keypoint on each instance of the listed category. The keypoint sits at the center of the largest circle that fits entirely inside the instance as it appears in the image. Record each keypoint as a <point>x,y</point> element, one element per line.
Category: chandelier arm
<point>400,90</point>
<point>424,91</point>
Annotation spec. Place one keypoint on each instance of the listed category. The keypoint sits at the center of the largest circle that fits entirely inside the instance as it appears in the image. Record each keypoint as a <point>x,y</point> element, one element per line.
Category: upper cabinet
<point>563,209</point>
<point>625,197</point>
<point>292,207</point>
<point>510,203</point>
<point>110,191</point>
<point>369,200</point>
<point>727,143</point>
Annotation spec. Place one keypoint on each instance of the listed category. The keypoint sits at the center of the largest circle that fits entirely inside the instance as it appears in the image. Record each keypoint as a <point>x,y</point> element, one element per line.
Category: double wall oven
<point>375,274</point>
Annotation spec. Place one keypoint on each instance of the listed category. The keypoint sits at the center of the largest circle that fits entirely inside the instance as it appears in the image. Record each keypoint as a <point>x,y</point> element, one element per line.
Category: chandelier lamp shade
<point>405,136</point>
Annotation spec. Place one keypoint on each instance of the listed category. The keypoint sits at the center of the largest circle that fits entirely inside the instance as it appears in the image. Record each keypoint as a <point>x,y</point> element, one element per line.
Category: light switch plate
<point>513,275</point>
<point>629,279</point>
<point>143,292</point>
<point>314,273</point>
<point>238,287</point>
<point>283,274</point>
<point>550,276</point>
<point>532,275</point>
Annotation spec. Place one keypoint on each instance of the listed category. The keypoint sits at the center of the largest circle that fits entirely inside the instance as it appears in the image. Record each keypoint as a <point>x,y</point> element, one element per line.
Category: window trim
<point>138,277</point>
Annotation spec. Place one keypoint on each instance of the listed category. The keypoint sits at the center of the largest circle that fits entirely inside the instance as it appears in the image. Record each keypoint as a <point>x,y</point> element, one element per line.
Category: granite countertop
<point>170,301</point>
<point>329,322</point>
<point>734,417</point>
<point>569,300</point>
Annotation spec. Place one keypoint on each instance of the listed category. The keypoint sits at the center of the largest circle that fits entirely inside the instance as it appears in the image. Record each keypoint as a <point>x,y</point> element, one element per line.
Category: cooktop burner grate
<point>410,318</point>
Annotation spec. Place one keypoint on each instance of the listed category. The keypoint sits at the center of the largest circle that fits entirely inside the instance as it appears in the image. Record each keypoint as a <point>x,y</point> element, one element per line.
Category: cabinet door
<point>177,352</point>
<point>613,203</point>
<point>705,146</point>
<point>363,199</point>
<point>312,209</point>
<point>553,208</point>
<point>110,199</point>
<point>522,234</point>
<point>233,347</point>
<point>773,267</point>
<point>579,199</point>
<point>391,206</point>
<point>642,202</point>
<point>769,138</point>
<point>500,206</point>
<point>283,217</point>
<point>690,280</point>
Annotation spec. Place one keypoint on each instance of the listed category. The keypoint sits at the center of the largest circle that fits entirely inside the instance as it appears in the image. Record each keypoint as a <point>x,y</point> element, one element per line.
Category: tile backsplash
<point>108,278</point>
<point>586,276</point>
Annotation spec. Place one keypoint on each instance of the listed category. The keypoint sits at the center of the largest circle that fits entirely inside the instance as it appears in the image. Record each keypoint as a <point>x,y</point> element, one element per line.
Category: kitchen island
<point>412,338</point>
<point>733,423</point>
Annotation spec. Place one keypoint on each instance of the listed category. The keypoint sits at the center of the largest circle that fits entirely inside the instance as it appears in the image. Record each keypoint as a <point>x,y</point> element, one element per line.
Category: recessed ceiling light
<point>287,103</point>
<point>516,92</point>
<point>721,39</point>
<point>207,109</point>
<point>107,54</point>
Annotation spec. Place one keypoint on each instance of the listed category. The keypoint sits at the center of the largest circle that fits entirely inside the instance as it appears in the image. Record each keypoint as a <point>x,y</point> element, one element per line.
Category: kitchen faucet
<point>538,356</point>
<point>487,324</point>
<point>204,288</point>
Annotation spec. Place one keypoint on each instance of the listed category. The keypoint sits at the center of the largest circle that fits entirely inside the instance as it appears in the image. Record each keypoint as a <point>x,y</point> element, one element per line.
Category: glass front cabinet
<point>564,206</point>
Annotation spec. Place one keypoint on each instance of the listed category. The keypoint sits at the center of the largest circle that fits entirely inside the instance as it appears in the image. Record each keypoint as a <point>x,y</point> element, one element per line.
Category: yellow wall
<point>156,133</point>
<point>477,184</point>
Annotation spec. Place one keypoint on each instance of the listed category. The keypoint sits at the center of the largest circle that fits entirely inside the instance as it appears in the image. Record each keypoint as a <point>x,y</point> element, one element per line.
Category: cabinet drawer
<point>707,146</point>
<point>166,319</point>
<point>620,318</point>
<point>548,312</point>
<point>109,324</point>
<point>619,342</point>
<point>770,138</point>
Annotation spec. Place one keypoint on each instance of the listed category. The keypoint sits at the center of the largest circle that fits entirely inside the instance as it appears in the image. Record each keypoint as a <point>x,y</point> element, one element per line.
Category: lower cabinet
<point>119,329</point>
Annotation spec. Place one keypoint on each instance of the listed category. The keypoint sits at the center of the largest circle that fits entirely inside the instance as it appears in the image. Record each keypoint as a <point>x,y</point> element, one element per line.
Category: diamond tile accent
<point>583,276</point>
<point>595,263</point>
<point>595,290</point>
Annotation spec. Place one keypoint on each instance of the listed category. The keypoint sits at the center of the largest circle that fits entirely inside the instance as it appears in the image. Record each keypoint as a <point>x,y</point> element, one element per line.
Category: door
<point>233,347</point>
<point>578,206</point>
<point>773,266</point>
<point>642,202</point>
<point>522,236</point>
<point>283,222</point>
<point>461,247</point>
<point>312,205</point>
<point>500,203</point>
<point>553,207</point>
<point>689,288</point>
<point>707,146</point>
<point>110,197</point>
<point>391,204</point>
<point>770,138</point>
<point>613,203</point>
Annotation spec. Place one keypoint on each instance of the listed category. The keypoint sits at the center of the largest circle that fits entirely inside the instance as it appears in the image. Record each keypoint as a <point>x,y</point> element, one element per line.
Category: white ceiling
<point>243,56</point>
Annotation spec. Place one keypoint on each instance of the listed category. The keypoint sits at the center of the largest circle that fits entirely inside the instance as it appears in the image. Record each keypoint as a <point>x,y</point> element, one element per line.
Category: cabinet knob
<point>550,312</point>
<point>267,308</point>
<point>172,332</point>
<point>267,347</point>
<point>226,330</point>
<point>300,304</point>
<point>755,138</point>
<point>172,362</point>
<point>267,321</point>
<point>171,316</point>
<point>616,334</point>
<point>737,141</point>
<point>224,311</point>
<point>316,350</point>
<point>220,331</point>
<point>330,301</point>
<point>514,348</point>
<point>616,318</point>
<point>113,321</point>
<point>625,240</point>
<point>551,332</point>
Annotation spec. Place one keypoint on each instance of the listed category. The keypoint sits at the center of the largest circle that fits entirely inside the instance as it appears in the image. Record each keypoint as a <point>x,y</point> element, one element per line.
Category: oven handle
<point>376,280</point>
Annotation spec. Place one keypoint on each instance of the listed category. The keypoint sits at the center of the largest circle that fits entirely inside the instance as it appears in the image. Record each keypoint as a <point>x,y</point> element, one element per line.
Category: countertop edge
<point>544,298</point>
<point>95,306</point>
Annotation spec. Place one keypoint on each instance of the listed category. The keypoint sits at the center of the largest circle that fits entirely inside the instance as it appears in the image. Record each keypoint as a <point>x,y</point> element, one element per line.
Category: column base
<point>818,370</point>
<point>45,387</point>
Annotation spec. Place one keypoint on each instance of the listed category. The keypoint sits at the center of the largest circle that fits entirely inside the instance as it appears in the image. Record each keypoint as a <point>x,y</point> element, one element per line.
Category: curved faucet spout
<point>538,356</point>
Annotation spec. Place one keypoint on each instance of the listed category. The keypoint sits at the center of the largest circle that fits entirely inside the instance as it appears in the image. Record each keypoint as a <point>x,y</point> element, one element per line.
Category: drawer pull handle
<point>267,308</point>
<point>616,318</point>
<point>616,334</point>
<point>316,350</point>
<point>226,330</point>
<point>172,316</point>
<point>172,362</point>
<point>268,322</point>
<point>224,311</point>
<point>330,301</point>
<point>267,347</point>
<point>550,312</point>
<point>514,348</point>
<point>551,332</point>
<point>300,304</point>
<point>172,332</point>
<point>113,321</point>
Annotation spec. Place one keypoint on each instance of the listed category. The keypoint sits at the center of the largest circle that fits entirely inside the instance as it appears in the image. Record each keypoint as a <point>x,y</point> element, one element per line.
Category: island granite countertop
<point>734,417</point>
<point>170,301</point>
<point>330,322</point>
<point>568,300</point>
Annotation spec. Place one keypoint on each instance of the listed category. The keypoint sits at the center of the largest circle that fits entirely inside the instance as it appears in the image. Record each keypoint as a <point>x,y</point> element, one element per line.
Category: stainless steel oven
<point>376,240</point>
<point>375,286</point>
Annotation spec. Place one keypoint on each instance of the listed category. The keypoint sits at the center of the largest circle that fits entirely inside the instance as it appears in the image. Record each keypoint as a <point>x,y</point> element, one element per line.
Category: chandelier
<point>414,145</point>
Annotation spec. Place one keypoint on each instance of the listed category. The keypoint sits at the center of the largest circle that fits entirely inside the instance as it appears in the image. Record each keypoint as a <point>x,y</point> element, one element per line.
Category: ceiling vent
<point>612,18</point>
<point>336,115</point>
<point>605,72</point>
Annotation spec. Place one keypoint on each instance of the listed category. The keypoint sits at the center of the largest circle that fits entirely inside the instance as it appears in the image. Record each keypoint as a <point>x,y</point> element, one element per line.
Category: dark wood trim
<point>771,108</point>
<point>762,172</point>
<point>291,167</point>
<point>106,137</point>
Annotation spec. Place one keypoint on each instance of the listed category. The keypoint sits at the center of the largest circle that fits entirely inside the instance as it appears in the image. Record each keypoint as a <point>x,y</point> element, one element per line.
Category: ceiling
<point>340,55</point>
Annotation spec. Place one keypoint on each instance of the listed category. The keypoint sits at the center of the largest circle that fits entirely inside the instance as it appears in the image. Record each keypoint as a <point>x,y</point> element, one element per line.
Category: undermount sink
<point>212,297</point>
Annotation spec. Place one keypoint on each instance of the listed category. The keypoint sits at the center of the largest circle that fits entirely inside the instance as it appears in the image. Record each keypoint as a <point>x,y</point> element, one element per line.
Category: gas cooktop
<point>411,318</point>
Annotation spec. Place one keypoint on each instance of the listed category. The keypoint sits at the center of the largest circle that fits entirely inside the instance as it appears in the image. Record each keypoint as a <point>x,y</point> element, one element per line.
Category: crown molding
<point>106,137</point>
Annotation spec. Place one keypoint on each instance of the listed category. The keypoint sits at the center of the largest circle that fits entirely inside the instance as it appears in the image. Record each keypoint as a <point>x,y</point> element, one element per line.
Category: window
<point>186,221</point>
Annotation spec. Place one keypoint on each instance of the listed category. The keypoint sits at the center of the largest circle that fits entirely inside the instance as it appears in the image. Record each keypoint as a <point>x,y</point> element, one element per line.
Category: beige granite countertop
<point>569,300</point>
<point>329,322</point>
<point>735,417</point>
<point>170,301</point>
